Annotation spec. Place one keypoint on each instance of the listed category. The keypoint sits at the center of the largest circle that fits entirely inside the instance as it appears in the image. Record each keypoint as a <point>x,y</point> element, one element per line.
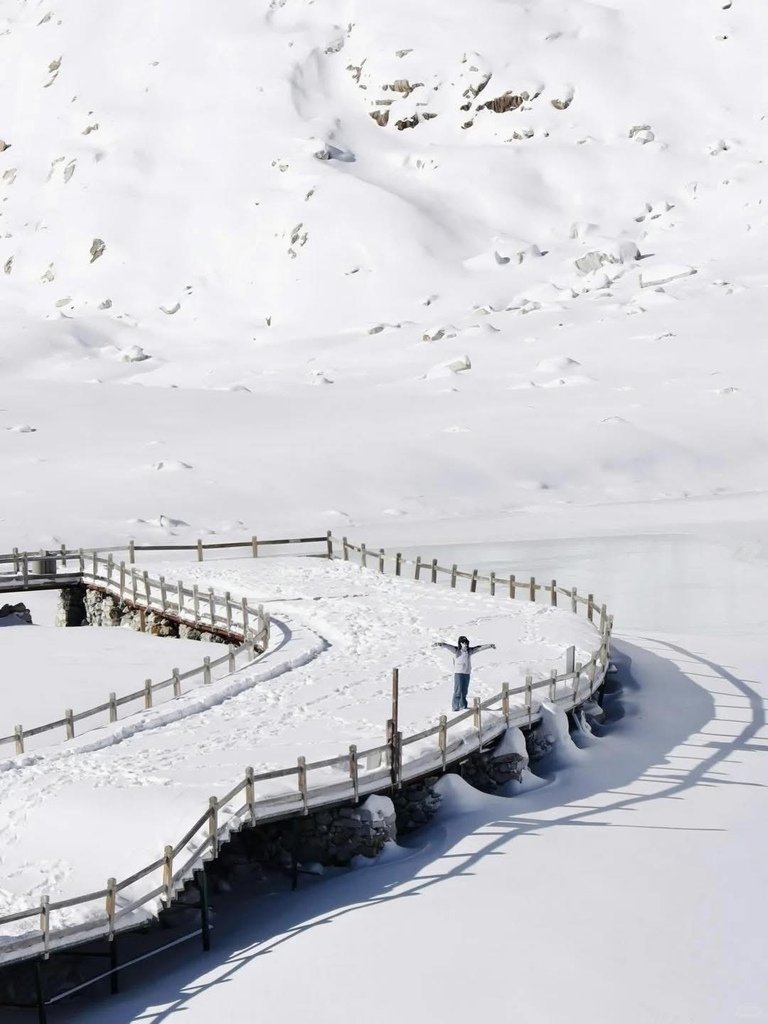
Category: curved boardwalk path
<point>105,805</point>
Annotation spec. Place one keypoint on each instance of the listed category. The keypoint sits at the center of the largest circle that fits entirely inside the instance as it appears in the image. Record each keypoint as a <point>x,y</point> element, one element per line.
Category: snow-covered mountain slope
<point>563,197</point>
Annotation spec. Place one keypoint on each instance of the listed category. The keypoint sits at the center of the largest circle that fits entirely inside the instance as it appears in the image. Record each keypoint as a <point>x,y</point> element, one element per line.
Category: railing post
<point>134,585</point>
<point>145,576</point>
<point>473,582</point>
<point>112,708</point>
<point>231,659</point>
<point>69,724</point>
<point>553,685</point>
<point>206,671</point>
<point>249,797</point>
<point>213,824</point>
<point>329,542</point>
<point>434,571</point>
<point>574,600</point>
<point>576,681</point>
<point>442,738</point>
<point>602,620</point>
<point>244,613</point>
<point>353,771</point>
<point>167,875</point>
<point>417,568</point>
<point>18,735</point>
<point>45,922</point>
<point>94,565</point>
<point>553,598</point>
<point>363,556</point>
<point>111,905</point>
<point>529,697</point>
<point>395,699</point>
<point>199,551</point>
<point>512,586</point>
<point>122,579</point>
<point>64,559</point>
<point>176,682</point>
<point>302,765</point>
<point>492,584</point>
<point>147,694</point>
<point>591,672</point>
<point>81,560</point>
<point>132,552</point>
<point>454,570</point>
<point>163,595</point>
<point>180,595</point>
<point>228,610</point>
<point>345,548</point>
<point>570,659</point>
<point>211,606</point>
<point>25,569</point>
<point>532,589</point>
<point>110,567</point>
<point>477,720</point>
<point>381,559</point>
<point>398,563</point>
<point>255,546</point>
<point>590,606</point>
<point>505,701</point>
<point>195,602</point>
<point>16,560</point>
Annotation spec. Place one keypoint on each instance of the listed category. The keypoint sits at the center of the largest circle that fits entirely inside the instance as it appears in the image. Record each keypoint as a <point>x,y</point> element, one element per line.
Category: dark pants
<point>460,687</point>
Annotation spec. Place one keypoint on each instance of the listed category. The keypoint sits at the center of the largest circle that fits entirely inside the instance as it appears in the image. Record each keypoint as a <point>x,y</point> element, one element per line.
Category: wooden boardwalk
<point>38,581</point>
<point>293,789</point>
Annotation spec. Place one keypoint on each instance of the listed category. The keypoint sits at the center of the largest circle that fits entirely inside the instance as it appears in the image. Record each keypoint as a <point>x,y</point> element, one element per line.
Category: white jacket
<point>462,657</point>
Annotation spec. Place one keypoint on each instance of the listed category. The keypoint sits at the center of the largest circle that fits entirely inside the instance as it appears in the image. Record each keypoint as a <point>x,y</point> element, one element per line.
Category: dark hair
<point>463,640</point>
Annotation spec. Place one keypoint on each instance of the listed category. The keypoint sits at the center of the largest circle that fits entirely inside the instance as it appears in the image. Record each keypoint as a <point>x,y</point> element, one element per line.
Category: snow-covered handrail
<point>20,560</point>
<point>384,765</point>
<point>248,627</point>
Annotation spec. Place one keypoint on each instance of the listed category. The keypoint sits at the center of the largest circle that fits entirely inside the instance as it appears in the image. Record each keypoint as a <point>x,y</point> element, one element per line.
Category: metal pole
<point>39,993</point>
<point>114,978</point>
<point>205,925</point>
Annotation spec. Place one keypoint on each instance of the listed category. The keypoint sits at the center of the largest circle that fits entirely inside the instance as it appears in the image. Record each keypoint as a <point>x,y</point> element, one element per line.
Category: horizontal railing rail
<point>363,771</point>
<point>22,561</point>
<point>248,627</point>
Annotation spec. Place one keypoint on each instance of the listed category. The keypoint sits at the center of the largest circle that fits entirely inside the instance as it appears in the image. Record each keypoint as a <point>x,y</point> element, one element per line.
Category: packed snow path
<point>106,804</point>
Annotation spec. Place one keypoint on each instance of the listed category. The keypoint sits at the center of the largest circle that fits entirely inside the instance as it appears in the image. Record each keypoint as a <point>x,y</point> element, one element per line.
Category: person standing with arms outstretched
<point>462,668</point>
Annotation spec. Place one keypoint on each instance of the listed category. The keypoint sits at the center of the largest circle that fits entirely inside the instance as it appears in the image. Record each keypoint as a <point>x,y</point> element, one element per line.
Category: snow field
<point>47,669</point>
<point>235,302</point>
<point>554,305</point>
<point>634,861</point>
<point>324,683</point>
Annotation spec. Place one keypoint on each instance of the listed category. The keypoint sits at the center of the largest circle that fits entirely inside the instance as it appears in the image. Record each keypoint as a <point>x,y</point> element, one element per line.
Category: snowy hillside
<point>482,281</point>
<point>565,197</point>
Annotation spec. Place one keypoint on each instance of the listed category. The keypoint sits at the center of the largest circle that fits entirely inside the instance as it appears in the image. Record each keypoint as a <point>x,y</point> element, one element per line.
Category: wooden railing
<point>247,626</point>
<point>48,560</point>
<point>285,792</point>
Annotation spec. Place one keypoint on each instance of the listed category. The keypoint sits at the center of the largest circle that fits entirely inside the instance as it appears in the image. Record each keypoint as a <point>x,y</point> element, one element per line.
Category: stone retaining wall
<point>86,606</point>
